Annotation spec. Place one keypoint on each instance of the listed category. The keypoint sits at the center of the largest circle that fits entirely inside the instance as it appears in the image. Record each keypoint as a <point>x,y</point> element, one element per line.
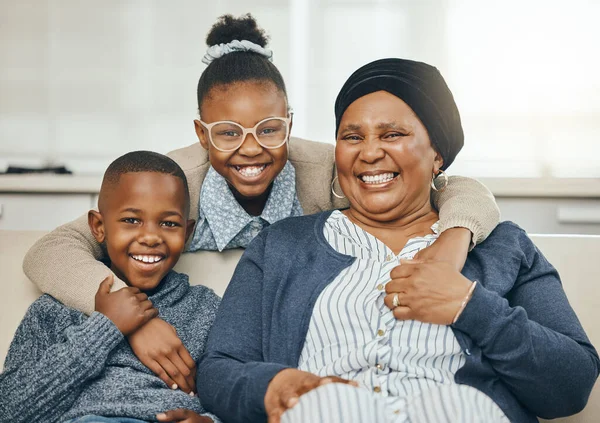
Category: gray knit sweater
<point>62,364</point>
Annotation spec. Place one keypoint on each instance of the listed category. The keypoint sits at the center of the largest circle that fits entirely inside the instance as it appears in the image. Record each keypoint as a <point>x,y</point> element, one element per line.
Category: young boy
<point>65,367</point>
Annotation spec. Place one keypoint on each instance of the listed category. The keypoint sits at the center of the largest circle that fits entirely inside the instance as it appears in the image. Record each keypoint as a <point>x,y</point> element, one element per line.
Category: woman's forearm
<point>551,371</point>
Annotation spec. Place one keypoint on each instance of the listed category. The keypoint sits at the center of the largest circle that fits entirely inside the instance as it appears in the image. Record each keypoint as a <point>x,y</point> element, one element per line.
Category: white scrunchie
<point>220,50</point>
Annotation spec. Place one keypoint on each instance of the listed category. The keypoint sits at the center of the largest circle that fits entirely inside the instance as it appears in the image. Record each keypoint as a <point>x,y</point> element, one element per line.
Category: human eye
<point>268,131</point>
<point>352,138</point>
<point>228,133</point>
<point>393,135</point>
<point>130,220</point>
<point>170,224</point>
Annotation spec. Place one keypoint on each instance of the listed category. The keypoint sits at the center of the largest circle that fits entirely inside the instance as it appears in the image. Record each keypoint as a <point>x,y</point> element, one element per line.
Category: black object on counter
<point>59,170</point>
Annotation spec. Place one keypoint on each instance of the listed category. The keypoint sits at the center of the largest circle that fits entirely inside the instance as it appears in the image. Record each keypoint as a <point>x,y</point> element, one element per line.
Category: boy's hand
<point>158,347</point>
<point>183,415</point>
<point>128,308</point>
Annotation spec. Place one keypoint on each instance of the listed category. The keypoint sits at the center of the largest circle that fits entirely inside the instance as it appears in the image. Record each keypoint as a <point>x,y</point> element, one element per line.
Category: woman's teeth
<point>250,171</point>
<point>377,179</point>
<point>147,259</point>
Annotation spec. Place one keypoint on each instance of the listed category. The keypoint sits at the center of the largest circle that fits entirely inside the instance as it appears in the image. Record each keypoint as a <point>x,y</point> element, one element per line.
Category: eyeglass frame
<point>246,131</point>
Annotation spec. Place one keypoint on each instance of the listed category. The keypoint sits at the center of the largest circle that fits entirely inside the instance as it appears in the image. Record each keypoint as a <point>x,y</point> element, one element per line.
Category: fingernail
<point>192,394</point>
<point>161,416</point>
<point>174,386</point>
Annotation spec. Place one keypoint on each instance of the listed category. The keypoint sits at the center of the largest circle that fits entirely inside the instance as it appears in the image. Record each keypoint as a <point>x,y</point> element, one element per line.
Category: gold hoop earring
<point>333,190</point>
<point>440,178</point>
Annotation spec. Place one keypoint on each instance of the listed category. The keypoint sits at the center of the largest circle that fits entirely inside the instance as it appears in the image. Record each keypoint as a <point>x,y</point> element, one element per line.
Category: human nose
<point>371,150</point>
<point>149,236</point>
<point>250,146</point>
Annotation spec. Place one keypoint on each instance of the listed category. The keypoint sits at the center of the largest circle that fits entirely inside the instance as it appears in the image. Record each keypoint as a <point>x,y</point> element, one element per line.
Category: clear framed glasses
<point>229,136</point>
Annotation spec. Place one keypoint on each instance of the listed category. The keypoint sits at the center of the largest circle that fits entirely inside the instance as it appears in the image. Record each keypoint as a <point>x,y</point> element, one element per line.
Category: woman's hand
<point>452,246</point>
<point>182,415</point>
<point>286,387</point>
<point>158,347</point>
<point>430,292</point>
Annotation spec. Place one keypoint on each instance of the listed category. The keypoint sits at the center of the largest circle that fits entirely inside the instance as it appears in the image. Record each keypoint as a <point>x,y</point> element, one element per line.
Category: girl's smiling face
<point>251,169</point>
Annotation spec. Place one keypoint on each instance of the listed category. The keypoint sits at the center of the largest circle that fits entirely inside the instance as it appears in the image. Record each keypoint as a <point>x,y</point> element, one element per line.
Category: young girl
<point>245,174</point>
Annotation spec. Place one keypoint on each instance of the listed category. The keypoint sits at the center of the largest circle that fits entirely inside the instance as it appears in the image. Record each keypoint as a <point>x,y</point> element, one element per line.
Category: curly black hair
<point>238,66</point>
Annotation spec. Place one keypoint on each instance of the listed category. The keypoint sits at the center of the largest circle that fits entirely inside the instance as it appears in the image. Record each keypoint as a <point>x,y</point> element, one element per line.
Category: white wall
<point>82,82</point>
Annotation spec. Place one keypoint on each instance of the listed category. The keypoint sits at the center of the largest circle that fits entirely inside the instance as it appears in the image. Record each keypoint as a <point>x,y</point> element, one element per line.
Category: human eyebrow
<point>389,125</point>
<point>350,128</point>
<point>170,213</point>
<point>131,210</point>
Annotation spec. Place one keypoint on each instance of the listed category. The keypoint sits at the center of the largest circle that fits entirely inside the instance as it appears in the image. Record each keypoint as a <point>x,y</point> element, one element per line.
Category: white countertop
<point>48,183</point>
<point>501,187</point>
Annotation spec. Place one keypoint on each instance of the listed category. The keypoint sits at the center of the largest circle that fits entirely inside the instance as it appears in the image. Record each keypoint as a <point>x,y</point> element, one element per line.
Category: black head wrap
<point>419,85</point>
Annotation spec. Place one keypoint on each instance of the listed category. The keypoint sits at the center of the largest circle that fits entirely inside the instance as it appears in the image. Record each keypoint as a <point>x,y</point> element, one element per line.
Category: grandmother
<point>327,318</point>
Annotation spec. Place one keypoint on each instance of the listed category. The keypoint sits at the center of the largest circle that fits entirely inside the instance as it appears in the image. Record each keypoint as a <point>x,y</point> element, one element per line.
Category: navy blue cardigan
<point>524,345</point>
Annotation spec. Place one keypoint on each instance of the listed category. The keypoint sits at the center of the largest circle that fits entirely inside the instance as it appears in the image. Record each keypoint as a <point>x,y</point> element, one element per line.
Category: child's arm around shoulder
<point>64,264</point>
<point>467,203</point>
<point>54,353</point>
<point>468,213</point>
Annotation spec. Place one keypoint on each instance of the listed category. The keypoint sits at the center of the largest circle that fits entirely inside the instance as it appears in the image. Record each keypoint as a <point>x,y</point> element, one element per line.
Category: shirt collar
<point>225,215</point>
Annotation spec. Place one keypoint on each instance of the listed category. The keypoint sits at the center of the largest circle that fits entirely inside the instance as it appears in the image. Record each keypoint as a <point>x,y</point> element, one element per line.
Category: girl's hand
<point>182,415</point>
<point>452,246</point>
<point>158,347</point>
<point>430,292</point>
<point>288,385</point>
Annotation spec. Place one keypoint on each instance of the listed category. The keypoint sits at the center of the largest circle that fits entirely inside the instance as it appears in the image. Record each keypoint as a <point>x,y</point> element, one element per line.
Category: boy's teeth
<point>147,259</point>
<point>250,170</point>
<point>378,179</point>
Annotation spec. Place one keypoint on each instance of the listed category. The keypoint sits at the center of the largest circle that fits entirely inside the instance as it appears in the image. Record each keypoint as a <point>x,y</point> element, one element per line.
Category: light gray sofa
<point>575,257</point>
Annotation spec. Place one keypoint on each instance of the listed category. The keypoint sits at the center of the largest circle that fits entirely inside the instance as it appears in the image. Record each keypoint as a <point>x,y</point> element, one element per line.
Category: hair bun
<point>228,28</point>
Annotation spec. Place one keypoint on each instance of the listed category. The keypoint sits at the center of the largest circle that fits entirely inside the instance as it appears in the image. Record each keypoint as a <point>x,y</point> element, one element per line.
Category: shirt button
<point>380,332</point>
<point>396,411</point>
<point>380,287</point>
<point>379,366</point>
<point>388,257</point>
<point>377,389</point>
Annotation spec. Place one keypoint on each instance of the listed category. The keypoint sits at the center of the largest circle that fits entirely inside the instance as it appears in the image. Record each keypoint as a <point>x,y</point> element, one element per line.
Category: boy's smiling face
<point>143,221</point>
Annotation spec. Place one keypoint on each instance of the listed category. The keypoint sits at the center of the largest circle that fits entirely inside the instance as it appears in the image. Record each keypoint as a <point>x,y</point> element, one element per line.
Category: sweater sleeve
<point>233,370</point>
<point>467,203</point>
<point>533,338</point>
<point>47,366</point>
<point>64,264</point>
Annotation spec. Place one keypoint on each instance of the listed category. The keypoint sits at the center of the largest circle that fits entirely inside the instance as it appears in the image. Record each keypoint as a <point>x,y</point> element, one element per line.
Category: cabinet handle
<point>579,215</point>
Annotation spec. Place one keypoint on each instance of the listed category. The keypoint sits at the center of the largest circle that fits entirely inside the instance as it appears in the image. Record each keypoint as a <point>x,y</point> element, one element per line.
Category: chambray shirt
<point>224,224</point>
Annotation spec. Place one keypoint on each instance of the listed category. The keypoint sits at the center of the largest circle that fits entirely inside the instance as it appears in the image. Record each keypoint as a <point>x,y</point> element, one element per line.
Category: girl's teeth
<point>378,179</point>
<point>250,170</point>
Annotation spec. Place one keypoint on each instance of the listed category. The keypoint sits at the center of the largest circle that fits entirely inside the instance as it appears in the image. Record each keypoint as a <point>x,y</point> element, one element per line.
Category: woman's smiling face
<point>384,157</point>
<point>251,169</point>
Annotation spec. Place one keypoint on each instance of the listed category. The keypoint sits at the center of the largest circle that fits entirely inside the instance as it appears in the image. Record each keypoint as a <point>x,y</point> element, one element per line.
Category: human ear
<point>201,134</point>
<point>189,228</point>
<point>96,224</point>
<point>438,162</point>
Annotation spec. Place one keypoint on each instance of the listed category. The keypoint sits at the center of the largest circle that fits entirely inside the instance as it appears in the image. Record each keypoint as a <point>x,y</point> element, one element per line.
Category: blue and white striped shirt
<point>352,334</point>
